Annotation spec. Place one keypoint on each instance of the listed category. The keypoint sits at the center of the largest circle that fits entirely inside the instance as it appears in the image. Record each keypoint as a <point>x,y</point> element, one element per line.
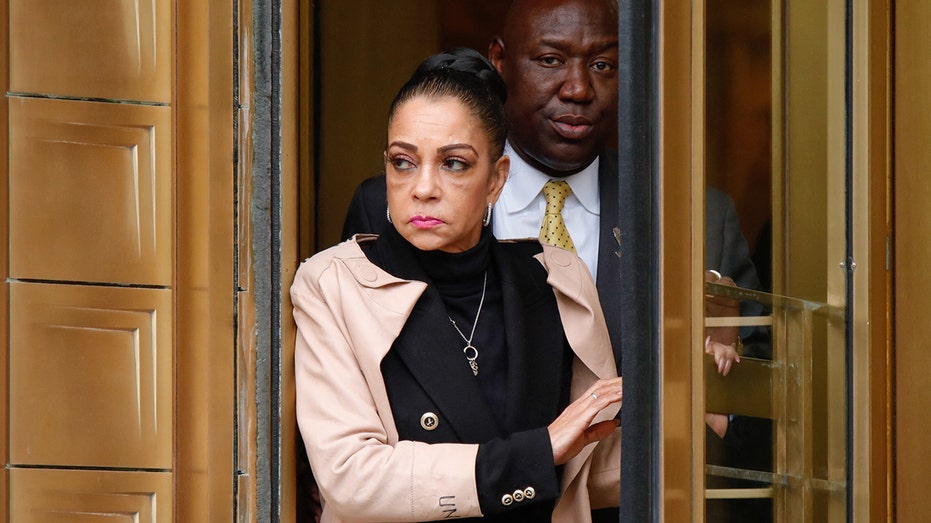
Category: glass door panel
<point>775,164</point>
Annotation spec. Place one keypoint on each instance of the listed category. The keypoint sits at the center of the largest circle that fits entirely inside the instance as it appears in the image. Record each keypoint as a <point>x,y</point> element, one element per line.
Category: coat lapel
<point>578,307</point>
<point>583,318</point>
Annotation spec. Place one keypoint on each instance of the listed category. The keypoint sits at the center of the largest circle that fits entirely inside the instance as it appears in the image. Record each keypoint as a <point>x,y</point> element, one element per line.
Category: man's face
<point>559,61</point>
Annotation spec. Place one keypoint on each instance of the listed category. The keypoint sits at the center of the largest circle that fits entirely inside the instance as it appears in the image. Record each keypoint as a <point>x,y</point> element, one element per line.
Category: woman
<point>439,373</point>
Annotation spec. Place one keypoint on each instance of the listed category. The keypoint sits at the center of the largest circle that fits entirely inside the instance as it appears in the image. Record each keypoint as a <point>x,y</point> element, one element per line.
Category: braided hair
<point>466,75</point>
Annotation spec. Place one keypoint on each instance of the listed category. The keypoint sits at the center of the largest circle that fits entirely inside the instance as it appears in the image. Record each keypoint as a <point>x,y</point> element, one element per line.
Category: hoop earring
<point>487,218</point>
<point>388,214</point>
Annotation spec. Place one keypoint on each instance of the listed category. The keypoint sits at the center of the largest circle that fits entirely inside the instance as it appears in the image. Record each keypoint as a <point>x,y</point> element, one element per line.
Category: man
<point>559,61</point>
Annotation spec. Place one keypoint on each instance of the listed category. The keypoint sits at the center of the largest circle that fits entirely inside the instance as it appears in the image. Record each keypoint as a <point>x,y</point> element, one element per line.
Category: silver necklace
<point>471,353</point>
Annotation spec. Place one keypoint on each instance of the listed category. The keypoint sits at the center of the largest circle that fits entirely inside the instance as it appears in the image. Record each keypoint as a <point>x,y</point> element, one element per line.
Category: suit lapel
<point>609,262</point>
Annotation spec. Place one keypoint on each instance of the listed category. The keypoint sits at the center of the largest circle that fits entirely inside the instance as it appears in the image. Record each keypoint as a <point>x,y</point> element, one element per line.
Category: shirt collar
<point>525,183</point>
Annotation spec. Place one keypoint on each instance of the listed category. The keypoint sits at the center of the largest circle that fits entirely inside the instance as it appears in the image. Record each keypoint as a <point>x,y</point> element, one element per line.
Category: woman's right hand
<point>573,429</point>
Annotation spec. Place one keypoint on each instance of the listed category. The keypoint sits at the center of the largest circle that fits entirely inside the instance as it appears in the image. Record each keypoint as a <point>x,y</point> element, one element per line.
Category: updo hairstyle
<point>466,75</point>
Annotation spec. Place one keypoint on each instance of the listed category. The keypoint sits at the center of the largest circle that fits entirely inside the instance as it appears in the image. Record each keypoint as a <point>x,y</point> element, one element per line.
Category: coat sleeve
<point>363,475</point>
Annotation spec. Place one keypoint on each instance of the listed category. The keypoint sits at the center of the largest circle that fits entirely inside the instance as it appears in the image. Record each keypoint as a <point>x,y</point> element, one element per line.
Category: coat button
<point>518,495</point>
<point>429,421</point>
<point>506,500</point>
<point>530,493</point>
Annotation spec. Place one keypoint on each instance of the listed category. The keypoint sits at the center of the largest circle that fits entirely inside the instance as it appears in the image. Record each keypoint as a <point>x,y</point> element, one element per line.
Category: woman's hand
<point>725,356</point>
<point>573,429</point>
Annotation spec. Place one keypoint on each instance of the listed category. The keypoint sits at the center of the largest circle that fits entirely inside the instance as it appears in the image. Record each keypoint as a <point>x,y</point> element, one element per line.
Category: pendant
<point>472,357</point>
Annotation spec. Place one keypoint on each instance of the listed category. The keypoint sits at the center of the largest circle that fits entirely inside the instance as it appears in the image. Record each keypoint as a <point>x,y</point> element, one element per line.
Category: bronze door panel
<point>90,376</point>
<point>89,496</point>
<point>90,192</point>
<point>93,49</point>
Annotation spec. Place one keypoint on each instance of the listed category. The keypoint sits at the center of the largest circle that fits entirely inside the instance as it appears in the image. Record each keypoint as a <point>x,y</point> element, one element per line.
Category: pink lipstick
<point>425,222</point>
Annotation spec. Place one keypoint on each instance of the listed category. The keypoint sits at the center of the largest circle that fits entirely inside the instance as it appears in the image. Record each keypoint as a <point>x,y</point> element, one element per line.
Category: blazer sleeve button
<point>530,493</point>
<point>518,495</point>
<point>507,500</point>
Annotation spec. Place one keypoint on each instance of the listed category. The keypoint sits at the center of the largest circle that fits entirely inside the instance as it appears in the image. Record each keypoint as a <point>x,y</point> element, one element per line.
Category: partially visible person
<point>721,342</point>
<point>441,373</point>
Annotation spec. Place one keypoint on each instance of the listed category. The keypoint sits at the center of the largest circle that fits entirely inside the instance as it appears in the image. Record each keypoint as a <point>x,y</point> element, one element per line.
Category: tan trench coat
<point>348,312</point>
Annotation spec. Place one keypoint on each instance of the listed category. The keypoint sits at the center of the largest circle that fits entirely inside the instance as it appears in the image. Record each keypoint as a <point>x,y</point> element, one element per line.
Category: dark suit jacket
<point>726,250</point>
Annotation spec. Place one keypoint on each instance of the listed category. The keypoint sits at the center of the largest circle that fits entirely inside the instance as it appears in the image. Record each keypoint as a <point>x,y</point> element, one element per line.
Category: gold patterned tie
<point>553,229</point>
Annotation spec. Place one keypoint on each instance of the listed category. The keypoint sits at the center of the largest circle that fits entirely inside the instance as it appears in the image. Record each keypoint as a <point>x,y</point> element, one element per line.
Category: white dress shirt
<point>521,207</point>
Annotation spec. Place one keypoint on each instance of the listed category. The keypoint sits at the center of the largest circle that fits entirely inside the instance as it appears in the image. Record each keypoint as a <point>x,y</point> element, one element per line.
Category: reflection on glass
<point>775,160</point>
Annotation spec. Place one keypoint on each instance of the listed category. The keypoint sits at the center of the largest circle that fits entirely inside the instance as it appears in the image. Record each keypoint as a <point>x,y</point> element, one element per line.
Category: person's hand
<point>573,429</point>
<point>725,356</point>
<point>717,422</point>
